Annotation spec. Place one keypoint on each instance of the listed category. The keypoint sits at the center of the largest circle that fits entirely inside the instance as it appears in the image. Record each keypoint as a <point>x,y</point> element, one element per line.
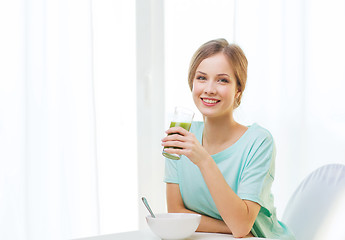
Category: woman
<point>227,169</point>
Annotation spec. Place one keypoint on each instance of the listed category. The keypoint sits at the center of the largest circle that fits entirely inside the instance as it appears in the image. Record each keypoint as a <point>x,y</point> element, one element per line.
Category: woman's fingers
<point>178,130</point>
<point>177,137</point>
<point>172,143</point>
<point>179,151</point>
<point>180,141</point>
<point>174,137</point>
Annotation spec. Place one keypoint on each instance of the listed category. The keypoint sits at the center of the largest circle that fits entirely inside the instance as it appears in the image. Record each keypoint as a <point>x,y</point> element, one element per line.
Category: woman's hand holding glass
<point>187,144</point>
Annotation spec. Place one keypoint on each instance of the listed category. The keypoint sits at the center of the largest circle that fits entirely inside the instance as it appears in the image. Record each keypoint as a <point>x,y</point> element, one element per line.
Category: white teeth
<point>209,101</point>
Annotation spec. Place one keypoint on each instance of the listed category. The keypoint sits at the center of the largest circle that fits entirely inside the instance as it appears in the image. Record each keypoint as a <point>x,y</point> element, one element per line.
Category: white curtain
<point>48,171</point>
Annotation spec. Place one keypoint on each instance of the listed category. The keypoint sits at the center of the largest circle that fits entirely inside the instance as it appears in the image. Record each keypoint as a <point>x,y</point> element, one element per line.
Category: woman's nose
<point>210,88</point>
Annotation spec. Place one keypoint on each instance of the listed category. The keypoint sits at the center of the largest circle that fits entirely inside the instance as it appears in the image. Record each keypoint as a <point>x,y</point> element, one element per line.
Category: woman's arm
<point>175,204</point>
<point>239,215</point>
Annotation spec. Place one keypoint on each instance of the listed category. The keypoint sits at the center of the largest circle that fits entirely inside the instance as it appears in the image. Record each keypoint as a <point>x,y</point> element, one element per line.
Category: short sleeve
<point>258,173</point>
<point>171,175</point>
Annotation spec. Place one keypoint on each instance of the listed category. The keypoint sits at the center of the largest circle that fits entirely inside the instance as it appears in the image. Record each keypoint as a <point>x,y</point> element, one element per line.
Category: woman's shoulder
<point>257,131</point>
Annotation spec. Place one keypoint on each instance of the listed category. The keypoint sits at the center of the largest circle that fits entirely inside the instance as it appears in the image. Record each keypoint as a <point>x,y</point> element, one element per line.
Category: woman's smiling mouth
<point>210,101</point>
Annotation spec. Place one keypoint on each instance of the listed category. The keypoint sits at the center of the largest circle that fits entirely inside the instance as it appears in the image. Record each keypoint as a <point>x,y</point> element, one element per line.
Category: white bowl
<point>174,225</point>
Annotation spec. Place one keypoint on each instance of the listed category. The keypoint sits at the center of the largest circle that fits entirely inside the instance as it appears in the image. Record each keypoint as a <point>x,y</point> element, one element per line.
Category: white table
<point>148,235</point>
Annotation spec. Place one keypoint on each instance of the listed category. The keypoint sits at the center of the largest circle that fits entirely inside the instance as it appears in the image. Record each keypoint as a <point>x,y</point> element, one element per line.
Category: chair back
<point>316,202</point>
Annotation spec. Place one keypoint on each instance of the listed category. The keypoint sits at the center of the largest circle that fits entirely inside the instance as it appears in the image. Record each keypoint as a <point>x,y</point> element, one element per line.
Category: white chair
<point>316,210</point>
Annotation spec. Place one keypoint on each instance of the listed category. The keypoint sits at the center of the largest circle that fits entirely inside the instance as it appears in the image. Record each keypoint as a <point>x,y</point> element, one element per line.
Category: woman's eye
<point>223,80</point>
<point>200,78</point>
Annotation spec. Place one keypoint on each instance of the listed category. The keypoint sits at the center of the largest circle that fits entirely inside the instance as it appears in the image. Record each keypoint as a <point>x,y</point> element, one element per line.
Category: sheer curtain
<point>48,173</point>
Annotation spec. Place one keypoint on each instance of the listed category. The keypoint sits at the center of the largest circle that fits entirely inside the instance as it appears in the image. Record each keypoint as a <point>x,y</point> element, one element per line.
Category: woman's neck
<point>216,127</point>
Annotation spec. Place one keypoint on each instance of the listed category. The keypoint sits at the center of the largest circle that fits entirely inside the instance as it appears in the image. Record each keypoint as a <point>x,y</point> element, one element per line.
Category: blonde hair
<point>235,56</point>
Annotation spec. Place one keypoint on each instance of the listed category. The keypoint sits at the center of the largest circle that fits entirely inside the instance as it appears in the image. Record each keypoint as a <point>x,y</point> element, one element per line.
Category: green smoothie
<point>176,124</point>
<point>181,124</point>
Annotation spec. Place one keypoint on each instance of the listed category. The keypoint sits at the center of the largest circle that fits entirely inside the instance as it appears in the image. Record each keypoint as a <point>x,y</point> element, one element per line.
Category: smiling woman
<point>222,160</point>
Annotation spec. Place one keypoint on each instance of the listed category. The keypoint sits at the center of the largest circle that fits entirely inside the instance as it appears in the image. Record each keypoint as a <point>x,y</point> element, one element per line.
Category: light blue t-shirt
<point>248,168</point>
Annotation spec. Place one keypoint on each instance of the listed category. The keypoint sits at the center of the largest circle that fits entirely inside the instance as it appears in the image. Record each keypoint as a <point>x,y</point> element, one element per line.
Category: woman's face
<point>214,87</point>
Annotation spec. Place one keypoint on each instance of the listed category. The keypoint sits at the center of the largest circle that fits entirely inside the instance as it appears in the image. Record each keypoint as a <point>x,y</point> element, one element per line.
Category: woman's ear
<point>238,93</point>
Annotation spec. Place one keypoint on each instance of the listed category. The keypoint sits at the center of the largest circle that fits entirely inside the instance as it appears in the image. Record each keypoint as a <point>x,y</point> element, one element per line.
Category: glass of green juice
<point>182,117</point>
